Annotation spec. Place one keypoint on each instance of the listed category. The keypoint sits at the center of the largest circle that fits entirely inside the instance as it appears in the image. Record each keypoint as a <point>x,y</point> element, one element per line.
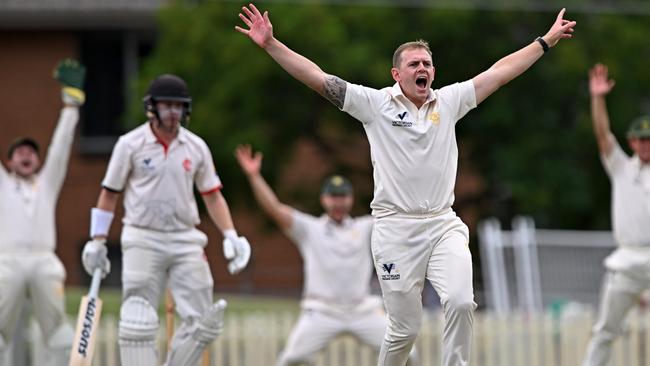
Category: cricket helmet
<point>168,88</point>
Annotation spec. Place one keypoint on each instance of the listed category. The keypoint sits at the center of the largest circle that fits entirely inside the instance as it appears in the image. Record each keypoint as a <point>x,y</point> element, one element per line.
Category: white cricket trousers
<point>407,250</point>
<point>39,276</point>
<point>153,260</point>
<point>316,328</point>
<point>619,294</point>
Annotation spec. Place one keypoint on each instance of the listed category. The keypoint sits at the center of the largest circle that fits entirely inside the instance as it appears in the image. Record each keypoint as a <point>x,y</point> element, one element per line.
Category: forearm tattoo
<point>335,88</point>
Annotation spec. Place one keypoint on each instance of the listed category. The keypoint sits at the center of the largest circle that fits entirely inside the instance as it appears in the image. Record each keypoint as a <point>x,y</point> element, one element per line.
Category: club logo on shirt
<point>401,122</point>
<point>390,272</point>
<point>434,117</point>
<point>147,165</point>
<point>187,165</point>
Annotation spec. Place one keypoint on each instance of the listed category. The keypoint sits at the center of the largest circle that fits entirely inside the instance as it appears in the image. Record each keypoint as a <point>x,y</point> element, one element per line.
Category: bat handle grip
<point>94,285</point>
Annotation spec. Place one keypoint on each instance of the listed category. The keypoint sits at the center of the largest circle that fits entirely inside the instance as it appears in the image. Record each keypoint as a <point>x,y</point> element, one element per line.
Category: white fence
<point>529,269</point>
<point>524,270</point>
<point>514,339</point>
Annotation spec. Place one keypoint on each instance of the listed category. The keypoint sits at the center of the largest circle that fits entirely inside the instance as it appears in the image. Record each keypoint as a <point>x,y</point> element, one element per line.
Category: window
<point>112,59</point>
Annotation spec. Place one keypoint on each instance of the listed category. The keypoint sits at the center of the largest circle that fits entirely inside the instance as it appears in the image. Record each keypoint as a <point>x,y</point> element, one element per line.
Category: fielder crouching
<point>156,165</point>
<point>337,266</point>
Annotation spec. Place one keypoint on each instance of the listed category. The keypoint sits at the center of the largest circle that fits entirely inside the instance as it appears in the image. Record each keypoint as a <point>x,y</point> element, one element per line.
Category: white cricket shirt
<point>158,180</point>
<point>337,261</point>
<point>630,181</point>
<point>28,207</point>
<point>413,151</point>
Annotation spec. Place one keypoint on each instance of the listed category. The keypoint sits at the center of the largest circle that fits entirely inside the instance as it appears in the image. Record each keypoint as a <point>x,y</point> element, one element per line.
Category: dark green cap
<point>22,141</point>
<point>640,127</point>
<point>336,185</point>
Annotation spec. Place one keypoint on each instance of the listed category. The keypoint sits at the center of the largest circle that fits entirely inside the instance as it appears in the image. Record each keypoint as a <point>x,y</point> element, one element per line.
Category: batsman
<point>29,268</point>
<point>157,165</point>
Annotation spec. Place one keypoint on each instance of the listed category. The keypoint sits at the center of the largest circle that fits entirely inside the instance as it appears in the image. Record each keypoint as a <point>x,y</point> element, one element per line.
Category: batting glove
<point>71,75</point>
<point>238,251</point>
<point>95,255</point>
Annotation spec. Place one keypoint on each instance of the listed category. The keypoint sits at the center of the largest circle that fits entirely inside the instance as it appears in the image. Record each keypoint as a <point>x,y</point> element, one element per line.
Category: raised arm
<point>260,31</point>
<point>516,63</point>
<point>251,165</point>
<point>58,153</point>
<point>3,173</point>
<point>599,86</point>
<point>71,75</point>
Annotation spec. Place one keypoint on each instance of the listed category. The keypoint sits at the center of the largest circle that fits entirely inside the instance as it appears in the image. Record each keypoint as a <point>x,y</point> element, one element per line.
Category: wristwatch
<point>543,43</point>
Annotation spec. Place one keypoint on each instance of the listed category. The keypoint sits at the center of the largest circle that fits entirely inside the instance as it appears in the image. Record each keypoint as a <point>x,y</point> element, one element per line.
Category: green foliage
<point>531,141</point>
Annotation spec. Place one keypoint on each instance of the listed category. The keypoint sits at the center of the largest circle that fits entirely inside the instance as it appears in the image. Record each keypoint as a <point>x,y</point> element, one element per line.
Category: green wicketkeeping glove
<point>71,75</point>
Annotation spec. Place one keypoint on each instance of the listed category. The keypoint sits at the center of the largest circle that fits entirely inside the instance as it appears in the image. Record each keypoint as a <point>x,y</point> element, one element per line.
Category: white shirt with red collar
<point>158,181</point>
<point>413,151</point>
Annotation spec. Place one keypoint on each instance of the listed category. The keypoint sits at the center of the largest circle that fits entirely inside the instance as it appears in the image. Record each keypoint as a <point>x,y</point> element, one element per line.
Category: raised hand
<point>250,163</point>
<point>71,74</point>
<point>260,29</point>
<point>561,29</point>
<point>599,82</point>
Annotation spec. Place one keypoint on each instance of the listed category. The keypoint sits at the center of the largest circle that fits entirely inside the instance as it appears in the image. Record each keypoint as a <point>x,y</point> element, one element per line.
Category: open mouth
<point>421,81</point>
<point>26,164</point>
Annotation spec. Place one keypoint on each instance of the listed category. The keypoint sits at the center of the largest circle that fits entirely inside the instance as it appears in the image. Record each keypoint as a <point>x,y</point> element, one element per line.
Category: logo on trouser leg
<point>390,272</point>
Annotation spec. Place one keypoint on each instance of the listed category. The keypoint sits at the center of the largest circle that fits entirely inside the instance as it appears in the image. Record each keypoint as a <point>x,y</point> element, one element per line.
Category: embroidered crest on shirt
<point>434,117</point>
<point>187,165</point>
<point>390,272</point>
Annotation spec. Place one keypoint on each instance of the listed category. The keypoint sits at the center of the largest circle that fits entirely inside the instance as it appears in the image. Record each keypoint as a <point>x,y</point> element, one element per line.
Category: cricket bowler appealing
<point>29,268</point>
<point>157,166</point>
<point>417,236</point>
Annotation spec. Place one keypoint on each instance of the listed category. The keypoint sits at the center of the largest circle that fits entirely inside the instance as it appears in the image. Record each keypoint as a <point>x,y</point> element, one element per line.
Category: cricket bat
<point>87,323</point>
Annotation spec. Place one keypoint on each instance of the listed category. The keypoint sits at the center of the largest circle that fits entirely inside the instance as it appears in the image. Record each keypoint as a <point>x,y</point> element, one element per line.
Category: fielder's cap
<point>22,141</point>
<point>640,127</point>
<point>336,185</point>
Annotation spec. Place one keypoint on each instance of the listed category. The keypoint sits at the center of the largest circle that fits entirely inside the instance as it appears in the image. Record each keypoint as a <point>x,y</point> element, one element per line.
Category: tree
<point>531,141</point>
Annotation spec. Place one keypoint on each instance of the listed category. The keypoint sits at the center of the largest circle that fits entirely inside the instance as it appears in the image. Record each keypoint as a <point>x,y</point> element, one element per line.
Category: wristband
<point>543,43</point>
<point>230,234</point>
<point>100,222</point>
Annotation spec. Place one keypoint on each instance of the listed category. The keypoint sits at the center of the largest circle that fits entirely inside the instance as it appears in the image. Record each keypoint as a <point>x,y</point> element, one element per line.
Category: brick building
<point>110,37</point>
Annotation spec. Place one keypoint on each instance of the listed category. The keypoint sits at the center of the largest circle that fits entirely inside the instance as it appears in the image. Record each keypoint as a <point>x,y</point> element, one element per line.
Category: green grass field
<point>111,298</point>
